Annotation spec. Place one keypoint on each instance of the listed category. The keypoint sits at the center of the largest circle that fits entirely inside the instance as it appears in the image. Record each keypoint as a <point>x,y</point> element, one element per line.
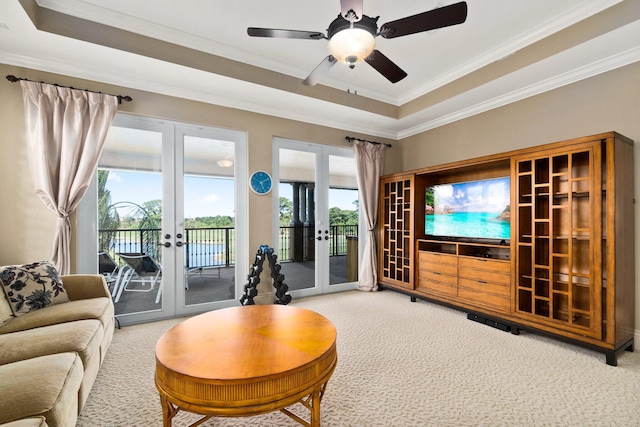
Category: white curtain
<point>369,161</point>
<point>66,130</point>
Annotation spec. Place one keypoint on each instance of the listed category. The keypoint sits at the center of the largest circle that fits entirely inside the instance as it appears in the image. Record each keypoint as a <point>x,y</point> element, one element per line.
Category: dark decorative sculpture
<point>251,290</point>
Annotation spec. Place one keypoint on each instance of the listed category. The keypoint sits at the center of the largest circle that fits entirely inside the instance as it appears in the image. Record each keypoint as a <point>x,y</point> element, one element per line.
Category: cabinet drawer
<point>484,287</point>
<point>495,302</point>
<point>434,276</point>
<point>487,294</point>
<point>484,275</point>
<point>485,264</point>
<point>441,263</point>
<point>429,281</point>
<point>438,257</point>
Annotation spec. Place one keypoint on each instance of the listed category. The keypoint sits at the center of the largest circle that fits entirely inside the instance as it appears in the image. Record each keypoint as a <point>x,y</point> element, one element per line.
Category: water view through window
<point>478,209</point>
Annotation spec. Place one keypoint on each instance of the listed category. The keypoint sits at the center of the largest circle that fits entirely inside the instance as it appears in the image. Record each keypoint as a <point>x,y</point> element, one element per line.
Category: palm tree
<point>108,218</point>
<point>147,216</point>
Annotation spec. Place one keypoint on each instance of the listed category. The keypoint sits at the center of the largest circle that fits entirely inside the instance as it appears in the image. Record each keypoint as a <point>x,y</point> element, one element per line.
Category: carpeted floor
<point>404,364</point>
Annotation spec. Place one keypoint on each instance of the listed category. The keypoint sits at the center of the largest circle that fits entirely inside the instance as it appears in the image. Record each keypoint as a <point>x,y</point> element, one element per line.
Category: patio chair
<point>138,269</point>
<point>109,269</point>
<point>106,264</point>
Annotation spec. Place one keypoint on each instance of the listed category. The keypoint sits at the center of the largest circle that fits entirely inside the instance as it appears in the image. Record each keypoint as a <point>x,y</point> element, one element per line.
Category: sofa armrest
<point>85,286</point>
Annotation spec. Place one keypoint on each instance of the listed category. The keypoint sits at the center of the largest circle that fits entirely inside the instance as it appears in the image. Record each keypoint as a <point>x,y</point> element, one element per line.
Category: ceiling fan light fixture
<point>352,36</point>
<point>352,45</point>
<point>225,163</point>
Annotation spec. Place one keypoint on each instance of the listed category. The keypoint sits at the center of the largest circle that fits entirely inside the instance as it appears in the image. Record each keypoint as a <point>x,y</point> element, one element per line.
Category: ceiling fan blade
<point>386,67</point>
<point>437,18</point>
<point>317,72</point>
<point>351,10</point>
<point>287,34</point>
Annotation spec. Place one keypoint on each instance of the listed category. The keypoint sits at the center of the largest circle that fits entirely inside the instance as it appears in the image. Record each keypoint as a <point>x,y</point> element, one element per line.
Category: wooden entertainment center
<point>568,268</point>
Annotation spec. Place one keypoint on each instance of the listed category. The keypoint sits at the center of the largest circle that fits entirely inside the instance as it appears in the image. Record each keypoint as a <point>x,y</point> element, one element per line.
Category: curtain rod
<point>351,139</point>
<point>121,98</point>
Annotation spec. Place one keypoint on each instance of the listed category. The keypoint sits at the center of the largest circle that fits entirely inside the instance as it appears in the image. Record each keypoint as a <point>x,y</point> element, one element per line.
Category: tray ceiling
<point>199,49</point>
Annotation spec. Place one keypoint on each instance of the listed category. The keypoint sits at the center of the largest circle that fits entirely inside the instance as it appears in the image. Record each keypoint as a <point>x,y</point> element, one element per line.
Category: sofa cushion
<point>94,308</point>
<point>83,337</point>
<point>27,422</point>
<point>30,287</point>
<point>44,386</point>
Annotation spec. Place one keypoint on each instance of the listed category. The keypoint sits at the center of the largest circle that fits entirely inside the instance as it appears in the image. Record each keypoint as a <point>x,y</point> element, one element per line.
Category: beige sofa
<point>49,358</point>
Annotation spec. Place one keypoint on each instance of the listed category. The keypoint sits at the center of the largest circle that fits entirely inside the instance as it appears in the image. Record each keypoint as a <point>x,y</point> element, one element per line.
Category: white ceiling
<point>453,72</point>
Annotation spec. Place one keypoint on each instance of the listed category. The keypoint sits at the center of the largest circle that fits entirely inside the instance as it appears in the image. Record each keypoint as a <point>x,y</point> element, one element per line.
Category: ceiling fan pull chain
<point>353,85</point>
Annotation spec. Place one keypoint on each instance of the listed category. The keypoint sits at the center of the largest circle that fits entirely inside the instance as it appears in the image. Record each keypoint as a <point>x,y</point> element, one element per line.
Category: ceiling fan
<point>351,36</point>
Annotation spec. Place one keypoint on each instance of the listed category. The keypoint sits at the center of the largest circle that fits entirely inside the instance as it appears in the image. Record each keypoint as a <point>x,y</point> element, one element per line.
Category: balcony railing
<point>215,247</point>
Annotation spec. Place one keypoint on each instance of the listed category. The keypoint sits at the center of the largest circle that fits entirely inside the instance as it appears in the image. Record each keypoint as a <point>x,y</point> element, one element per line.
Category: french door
<point>316,231</point>
<point>171,218</point>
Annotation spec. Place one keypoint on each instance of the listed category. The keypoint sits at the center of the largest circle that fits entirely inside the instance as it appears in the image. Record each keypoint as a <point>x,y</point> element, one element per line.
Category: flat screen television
<point>469,210</point>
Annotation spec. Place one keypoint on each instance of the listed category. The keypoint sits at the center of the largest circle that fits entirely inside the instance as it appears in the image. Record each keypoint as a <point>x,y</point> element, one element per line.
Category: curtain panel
<point>369,161</point>
<point>66,131</point>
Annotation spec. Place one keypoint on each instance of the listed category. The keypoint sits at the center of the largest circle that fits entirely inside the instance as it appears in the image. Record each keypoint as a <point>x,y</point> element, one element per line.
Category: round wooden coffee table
<point>246,360</point>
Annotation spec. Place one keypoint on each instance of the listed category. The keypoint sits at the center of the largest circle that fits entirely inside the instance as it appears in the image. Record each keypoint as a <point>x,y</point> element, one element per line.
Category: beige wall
<point>603,103</point>
<point>28,227</point>
<point>608,102</point>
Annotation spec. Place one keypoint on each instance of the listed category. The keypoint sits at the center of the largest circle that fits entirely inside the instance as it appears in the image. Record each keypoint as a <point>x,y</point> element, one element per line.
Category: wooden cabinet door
<point>396,239</point>
<point>558,198</point>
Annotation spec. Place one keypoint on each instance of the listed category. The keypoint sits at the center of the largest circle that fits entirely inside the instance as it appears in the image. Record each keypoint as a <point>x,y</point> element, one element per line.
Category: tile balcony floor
<point>217,284</point>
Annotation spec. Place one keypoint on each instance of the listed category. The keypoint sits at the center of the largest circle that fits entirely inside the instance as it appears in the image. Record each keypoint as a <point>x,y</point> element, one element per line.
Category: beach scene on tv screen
<point>475,209</point>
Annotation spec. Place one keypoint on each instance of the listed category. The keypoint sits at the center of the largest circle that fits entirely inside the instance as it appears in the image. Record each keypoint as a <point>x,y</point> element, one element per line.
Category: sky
<point>203,196</point>
<point>491,195</point>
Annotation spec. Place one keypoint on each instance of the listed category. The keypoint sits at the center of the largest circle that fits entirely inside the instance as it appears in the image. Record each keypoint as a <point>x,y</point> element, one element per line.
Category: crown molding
<point>82,10</point>
<point>588,9</point>
<point>599,67</point>
<point>289,106</point>
<point>232,93</point>
<point>345,118</point>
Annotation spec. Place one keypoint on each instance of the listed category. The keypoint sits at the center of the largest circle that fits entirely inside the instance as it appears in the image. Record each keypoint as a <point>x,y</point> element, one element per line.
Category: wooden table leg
<point>315,408</point>
<point>168,411</point>
<point>185,385</point>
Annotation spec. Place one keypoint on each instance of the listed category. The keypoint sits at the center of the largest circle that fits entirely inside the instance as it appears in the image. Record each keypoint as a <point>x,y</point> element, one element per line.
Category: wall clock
<point>260,182</point>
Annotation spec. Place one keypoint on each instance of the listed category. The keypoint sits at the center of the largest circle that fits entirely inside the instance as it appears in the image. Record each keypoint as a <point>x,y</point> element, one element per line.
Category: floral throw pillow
<point>6,313</point>
<point>31,287</point>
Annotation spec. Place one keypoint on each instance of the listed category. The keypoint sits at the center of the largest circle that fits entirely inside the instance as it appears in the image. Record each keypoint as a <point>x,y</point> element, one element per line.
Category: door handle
<point>179,244</point>
<point>165,244</point>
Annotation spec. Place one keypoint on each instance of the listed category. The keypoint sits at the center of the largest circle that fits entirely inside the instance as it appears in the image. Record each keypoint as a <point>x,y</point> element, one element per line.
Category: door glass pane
<point>297,218</point>
<point>130,218</point>
<point>343,220</point>
<point>209,226</point>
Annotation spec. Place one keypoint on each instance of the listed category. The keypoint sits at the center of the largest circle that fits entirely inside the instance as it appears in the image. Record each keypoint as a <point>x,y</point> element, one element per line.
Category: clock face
<point>260,182</point>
